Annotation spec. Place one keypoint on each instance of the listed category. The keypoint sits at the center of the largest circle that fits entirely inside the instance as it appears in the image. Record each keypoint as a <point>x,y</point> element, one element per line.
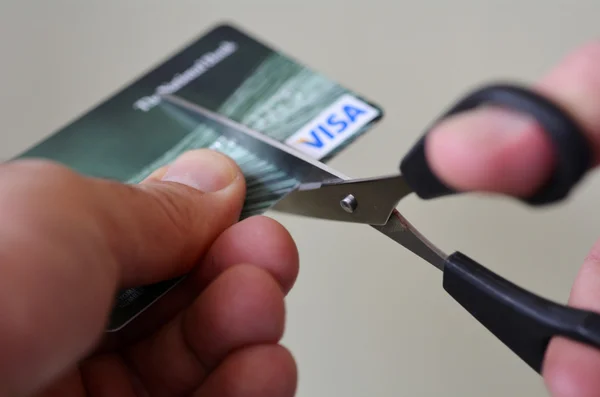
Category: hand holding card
<point>132,134</point>
<point>57,293</point>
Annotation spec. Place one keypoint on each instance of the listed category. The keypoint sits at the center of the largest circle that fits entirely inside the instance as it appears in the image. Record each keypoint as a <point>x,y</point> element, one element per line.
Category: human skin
<point>69,242</point>
<point>490,150</point>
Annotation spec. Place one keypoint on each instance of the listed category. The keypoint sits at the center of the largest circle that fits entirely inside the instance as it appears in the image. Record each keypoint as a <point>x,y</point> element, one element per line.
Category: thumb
<point>65,235</point>
<point>497,150</point>
<point>176,214</point>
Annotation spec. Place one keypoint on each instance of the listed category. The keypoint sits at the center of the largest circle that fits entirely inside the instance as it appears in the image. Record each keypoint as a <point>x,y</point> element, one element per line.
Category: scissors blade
<point>307,170</point>
<point>324,193</point>
<point>370,201</point>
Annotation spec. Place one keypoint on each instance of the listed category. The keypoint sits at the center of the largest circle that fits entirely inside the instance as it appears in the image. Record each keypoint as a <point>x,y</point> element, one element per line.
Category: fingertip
<point>247,297</point>
<point>273,241</point>
<point>452,155</point>
<point>203,169</point>
<point>243,305</point>
<point>255,371</point>
<point>206,170</point>
<point>571,369</point>
<point>258,240</point>
<point>284,371</point>
<point>491,150</point>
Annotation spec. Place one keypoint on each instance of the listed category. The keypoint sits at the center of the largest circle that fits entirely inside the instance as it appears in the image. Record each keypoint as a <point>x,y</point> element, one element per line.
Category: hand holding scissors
<point>523,321</point>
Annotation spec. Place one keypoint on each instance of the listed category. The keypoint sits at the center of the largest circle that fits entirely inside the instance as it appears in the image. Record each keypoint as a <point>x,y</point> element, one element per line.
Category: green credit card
<point>133,133</point>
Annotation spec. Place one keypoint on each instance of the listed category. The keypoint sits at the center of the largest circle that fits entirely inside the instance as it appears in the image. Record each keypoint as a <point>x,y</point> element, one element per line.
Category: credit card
<point>133,133</point>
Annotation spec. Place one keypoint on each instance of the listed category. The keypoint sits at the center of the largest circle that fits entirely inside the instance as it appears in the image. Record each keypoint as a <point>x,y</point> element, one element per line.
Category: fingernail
<point>203,169</point>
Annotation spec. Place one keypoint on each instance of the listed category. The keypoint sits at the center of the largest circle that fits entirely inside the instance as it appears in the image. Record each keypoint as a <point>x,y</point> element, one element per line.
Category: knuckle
<point>153,221</point>
<point>174,206</point>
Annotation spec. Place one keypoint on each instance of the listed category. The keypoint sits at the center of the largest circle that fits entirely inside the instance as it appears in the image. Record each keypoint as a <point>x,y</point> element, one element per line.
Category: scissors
<point>523,321</point>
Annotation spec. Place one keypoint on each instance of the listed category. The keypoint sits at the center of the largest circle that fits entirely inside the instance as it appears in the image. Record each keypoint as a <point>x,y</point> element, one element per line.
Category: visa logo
<point>332,127</point>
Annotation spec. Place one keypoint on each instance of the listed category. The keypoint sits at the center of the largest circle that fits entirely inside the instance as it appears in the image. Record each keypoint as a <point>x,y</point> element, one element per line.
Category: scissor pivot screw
<point>349,203</point>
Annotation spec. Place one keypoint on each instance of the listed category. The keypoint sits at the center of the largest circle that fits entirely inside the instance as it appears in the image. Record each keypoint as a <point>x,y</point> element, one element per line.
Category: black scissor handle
<point>572,150</point>
<point>523,321</point>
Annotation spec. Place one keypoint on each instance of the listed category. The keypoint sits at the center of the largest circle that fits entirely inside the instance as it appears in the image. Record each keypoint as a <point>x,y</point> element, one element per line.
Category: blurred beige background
<point>366,319</point>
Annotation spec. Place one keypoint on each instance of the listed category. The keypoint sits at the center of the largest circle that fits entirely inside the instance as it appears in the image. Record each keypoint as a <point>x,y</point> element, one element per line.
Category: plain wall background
<point>366,319</point>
